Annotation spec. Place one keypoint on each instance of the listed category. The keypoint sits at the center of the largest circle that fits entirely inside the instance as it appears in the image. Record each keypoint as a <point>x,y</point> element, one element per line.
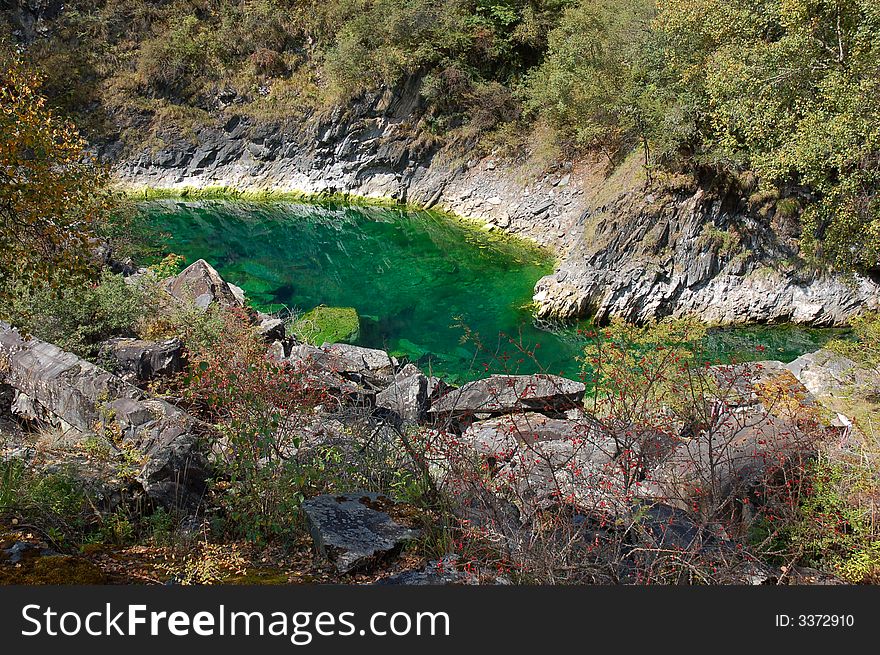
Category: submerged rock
<point>353,531</point>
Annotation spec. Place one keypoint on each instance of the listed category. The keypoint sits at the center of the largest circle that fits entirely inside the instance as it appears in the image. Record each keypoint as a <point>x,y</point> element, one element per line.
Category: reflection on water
<point>452,299</point>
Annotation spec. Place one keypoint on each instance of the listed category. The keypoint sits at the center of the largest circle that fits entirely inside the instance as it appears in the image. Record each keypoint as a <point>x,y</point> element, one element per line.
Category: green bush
<point>55,502</point>
<point>865,349</point>
<point>79,316</point>
<point>838,529</point>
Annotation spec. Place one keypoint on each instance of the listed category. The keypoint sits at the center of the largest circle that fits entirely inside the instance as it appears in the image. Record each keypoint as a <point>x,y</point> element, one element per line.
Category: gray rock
<point>406,397</point>
<point>728,459</point>
<point>271,328</point>
<point>90,399</point>
<point>501,437</point>
<point>444,571</point>
<point>353,531</point>
<point>354,363</point>
<point>143,360</point>
<point>826,373</point>
<point>346,358</point>
<point>200,284</point>
<point>505,394</point>
<point>538,462</point>
<point>275,351</point>
<point>62,383</point>
<point>661,526</point>
<point>747,383</point>
<point>643,261</point>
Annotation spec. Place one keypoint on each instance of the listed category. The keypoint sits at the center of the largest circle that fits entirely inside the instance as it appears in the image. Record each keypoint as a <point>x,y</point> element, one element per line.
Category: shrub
<point>53,502</point>
<point>838,529</point>
<point>865,349</point>
<point>79,316</point>
<point>258,408</point>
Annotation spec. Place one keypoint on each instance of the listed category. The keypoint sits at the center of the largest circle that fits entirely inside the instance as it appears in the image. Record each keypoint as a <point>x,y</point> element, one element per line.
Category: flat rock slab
<point>353,531</point>
<point>504,394</point>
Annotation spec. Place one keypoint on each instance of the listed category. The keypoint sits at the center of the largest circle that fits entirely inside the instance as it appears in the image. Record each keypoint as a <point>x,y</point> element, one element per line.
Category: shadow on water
<point>427,289</point>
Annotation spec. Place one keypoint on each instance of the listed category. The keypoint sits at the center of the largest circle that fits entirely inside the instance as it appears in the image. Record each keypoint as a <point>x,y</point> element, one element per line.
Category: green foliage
<point>263,504</point>
<point>790,90</point>
<point>54,501</point>
<point>786,92</point>
<point>258,409</point>
<point>838,528</point>
<point>600,81</point>
<point>79,315</point>
<point>865,349</point>
<point>51,198</point>
<point>327,325</point>
<point>170,266</point>
<point>637,368</point>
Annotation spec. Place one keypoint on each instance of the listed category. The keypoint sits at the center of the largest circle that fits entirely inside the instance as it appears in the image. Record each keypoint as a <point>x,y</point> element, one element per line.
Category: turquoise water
<point>451,298</point>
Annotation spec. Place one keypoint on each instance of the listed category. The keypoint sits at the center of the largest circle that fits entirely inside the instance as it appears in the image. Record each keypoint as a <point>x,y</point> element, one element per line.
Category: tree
<point>51,199</point>
<point>600,82</point>
<point>791,90</point>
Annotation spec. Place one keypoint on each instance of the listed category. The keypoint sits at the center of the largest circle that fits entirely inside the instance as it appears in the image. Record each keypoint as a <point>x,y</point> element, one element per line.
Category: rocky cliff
<point>642,257</point>
<point>378,147</point>
<point>624,252</point>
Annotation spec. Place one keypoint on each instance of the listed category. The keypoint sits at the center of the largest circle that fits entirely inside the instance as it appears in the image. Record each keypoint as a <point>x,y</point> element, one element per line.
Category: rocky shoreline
<point>623,251</point>
<point>543,449</point>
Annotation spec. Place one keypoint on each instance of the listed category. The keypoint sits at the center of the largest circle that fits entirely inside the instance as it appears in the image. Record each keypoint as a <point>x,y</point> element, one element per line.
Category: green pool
<point>449,297</point>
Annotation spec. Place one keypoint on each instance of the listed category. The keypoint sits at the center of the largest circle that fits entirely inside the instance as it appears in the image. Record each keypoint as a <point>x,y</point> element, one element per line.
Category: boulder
<point>826,373</point>
<point>346,358</point>
<point>406,398</point>
<point>142,361</point>
<point>173,468</point>
<point>90,399</point>
<point>538,462</point>
<point>270,328</point>
<point>661,526</point>
<point>354,363</point>
<point>768,381</point>
<point>742,446</point>
<point>354,531</point>
<point>65,385</point>
<point>275,351</point>
<point>501,437</point>
<point>505,394</point>
<point>200,284</point>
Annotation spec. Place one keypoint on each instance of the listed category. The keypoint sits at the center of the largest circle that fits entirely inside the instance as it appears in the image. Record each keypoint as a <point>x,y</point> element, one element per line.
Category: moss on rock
<point>53,570</point>
<point>327,325</point>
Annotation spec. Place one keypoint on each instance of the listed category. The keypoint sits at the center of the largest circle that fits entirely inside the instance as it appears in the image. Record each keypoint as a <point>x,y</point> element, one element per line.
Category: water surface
<point>449,297</point>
